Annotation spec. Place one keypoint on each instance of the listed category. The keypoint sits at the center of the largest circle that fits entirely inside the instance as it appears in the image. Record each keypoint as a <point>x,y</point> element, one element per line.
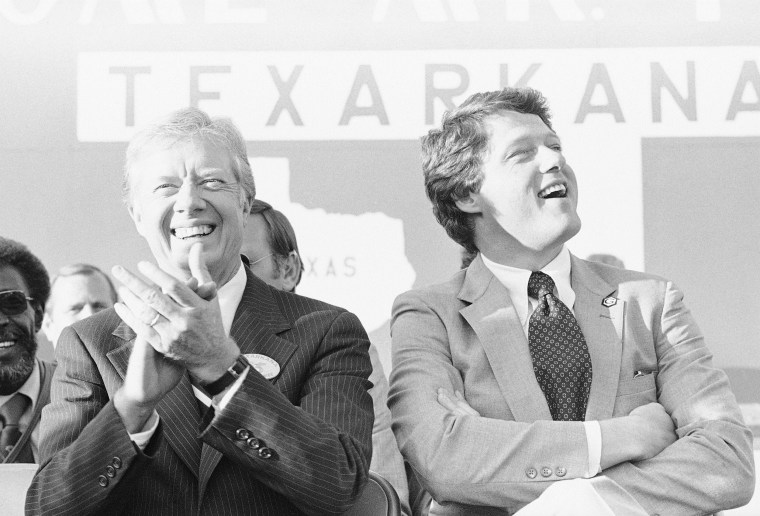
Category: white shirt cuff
<point>594,443</point>
<point>142,438</point>
<point>223,398</point>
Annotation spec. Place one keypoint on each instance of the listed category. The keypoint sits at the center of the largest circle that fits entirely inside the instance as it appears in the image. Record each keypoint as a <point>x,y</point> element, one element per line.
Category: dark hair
<point>280,235</point>
<point>83,269</point>
<point>452,156</point>
<point>17,255</point>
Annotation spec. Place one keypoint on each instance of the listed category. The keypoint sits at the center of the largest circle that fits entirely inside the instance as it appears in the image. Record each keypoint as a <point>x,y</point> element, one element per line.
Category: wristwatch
<point>229,377</point>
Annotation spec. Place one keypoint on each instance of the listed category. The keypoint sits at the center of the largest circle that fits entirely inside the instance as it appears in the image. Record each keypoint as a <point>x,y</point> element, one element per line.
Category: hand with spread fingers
<point>179,326</point>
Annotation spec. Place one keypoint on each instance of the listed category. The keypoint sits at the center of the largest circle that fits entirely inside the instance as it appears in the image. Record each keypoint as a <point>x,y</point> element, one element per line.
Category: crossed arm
<point>477,460</point>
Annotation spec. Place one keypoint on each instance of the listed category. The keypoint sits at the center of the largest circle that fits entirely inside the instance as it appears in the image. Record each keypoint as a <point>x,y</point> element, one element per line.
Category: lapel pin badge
<point>266,366</point>
<point>609,301</point>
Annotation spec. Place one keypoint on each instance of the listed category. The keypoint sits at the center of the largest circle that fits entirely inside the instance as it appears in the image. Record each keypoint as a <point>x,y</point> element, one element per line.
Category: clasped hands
<point>178,326</point>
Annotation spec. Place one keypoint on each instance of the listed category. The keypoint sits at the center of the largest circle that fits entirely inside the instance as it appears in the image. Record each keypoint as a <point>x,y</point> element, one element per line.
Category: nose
<point>189,199</point>
<point>550,160</point>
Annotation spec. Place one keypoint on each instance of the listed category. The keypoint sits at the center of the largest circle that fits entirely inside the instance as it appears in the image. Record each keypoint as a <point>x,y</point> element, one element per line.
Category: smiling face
<point>525,209</point>
<point>17,342</point>
<point>185,193</point>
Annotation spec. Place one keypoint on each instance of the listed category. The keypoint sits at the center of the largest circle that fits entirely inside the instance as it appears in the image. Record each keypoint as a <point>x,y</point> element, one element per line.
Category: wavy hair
<point>452,155</point>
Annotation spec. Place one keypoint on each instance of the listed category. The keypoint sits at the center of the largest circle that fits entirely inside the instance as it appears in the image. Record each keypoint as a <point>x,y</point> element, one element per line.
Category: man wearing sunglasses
<point>24,379</point>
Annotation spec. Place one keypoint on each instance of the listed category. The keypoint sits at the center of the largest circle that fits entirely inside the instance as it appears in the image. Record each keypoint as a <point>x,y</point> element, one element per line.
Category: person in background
<point>24,379</point>
<point>533,372</point>
<point>77,291</point>
<point>270,244</point>
<point>205,390</point>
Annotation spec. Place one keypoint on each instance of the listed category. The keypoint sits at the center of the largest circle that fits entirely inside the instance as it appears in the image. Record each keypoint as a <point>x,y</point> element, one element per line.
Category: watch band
<point>229,377</point>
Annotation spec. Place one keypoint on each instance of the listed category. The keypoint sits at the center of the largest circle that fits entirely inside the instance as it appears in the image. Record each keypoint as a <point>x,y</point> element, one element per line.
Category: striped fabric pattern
<point>316,418</point>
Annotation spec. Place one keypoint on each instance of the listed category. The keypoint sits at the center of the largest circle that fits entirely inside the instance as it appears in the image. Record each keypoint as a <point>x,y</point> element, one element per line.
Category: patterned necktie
<point>10,414</point>
<point>560,356</point>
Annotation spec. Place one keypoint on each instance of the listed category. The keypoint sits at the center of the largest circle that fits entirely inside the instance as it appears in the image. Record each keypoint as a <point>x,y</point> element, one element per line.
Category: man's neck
<point>519,256</point>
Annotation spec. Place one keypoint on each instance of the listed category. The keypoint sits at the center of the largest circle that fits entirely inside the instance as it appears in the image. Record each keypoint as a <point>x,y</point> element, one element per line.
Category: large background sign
<point>657,104</point>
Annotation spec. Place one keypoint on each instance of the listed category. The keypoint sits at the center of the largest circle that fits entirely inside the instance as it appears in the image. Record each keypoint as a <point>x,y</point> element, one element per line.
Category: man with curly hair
<point>24,379</point>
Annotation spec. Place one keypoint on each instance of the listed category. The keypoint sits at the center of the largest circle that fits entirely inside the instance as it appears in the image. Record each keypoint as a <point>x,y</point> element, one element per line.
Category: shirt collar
<point>31,387</point>
<point>230,295</point>
<point>516,281</point>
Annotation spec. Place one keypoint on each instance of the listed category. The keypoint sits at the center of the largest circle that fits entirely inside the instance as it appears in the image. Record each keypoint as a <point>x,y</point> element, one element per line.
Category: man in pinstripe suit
<point>205,391</point>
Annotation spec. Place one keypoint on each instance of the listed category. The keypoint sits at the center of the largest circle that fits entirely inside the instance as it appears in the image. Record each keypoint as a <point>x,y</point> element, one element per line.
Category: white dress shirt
<point>229,296</point>
<point>516,282</point>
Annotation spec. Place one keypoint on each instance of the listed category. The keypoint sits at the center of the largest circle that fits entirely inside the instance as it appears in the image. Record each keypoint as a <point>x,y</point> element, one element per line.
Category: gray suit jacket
<point>465,335</point>
<point>315,418</point>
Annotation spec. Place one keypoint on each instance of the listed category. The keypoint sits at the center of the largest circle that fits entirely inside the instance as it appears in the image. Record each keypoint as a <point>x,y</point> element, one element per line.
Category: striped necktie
<point>10,415</point>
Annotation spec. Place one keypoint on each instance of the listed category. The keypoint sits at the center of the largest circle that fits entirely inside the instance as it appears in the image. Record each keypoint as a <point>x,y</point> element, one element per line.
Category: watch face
<point>266,366</point>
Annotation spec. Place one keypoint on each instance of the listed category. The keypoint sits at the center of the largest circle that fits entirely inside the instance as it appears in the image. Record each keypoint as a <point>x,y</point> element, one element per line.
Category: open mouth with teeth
<point>557,191</point>
<point>7,344</point>
<point>193,232</point>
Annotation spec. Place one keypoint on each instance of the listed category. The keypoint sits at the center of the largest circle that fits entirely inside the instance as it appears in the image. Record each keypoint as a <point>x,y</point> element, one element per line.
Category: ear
<point>136,218</point>
<point>469,204</point>
<point>290,272</point>
<point>39,315</point>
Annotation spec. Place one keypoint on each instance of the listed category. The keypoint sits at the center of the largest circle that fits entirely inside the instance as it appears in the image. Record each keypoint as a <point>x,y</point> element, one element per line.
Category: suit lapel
<point>257,322</point>
<point>602,327</point>
<point>497,325</point>
<point>178,410</point>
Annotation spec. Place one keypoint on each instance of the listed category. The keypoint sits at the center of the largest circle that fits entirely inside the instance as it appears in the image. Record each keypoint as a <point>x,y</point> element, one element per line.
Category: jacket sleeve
<point>315,451</point>
<point>386,458</point>
<point>465,459</point>
<point>79,474</point>
<point>710,467</point>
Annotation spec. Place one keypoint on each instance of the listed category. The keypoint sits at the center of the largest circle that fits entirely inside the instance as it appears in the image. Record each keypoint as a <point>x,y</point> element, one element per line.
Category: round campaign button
<point>266,366</point>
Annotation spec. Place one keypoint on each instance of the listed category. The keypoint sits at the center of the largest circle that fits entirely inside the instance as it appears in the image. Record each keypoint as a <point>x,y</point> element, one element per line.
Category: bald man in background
<point>77,291</point>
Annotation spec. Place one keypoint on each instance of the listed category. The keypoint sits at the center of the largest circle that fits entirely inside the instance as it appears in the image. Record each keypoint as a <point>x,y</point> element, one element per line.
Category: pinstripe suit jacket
<point>315,416</point>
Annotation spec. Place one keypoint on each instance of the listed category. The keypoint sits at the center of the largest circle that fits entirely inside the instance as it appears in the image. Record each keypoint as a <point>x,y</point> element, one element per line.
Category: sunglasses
<point>13,302</point>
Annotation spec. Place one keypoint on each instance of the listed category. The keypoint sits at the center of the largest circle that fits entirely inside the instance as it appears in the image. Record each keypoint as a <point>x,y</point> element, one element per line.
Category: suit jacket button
<point>561,472</point>
<point>531,472</point>
<point>116,462</point>
<point>102,481</point>
<point>242,434</point>
<point>265,452</point>
<point>546,472</point>
<point>110,471</point>
<point>254,443</point>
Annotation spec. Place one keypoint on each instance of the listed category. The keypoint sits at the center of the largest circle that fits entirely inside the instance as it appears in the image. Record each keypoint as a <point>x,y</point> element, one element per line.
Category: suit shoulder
<point>630,281</point>
<point>302,304</point>
<point>438,293</point>
<point>104,321</point>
